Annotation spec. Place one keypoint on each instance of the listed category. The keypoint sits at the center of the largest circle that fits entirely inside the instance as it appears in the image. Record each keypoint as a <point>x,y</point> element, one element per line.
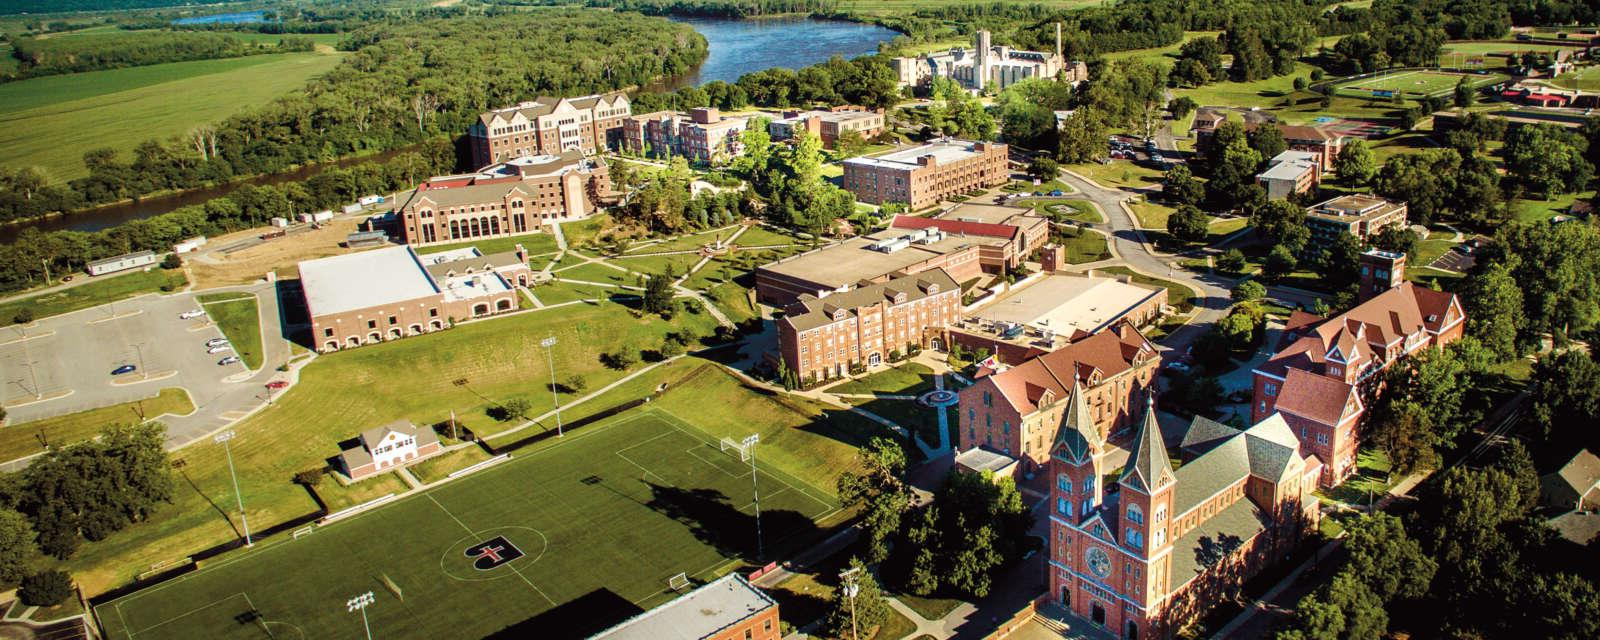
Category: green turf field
<point>121,108</point>
<point>1412,83</point>
<point>237,316</point>
<point>613,511</point>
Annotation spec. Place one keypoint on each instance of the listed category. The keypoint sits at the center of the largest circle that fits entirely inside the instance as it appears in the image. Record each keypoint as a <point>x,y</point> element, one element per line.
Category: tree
<point>1557,268</point>
<point>860,614</point>
<point>23,316</point>
<point>1188,224</point>
<point>1382,556</point>
<point>1547,159</point>
<point>1234,171</point>
<point>172,261</point>
<point>850,144</point>
<point>517,408</point>
<point>45,589</point>
<point>1248,291</point>
<point>1355,163</point>
<point>658,293</point>
<point>1493,305</point>
<point>1339,262</point>
<point>1231,261</point>
<point>1282,223</point>
<point>1082,137</point>
<point>1464,96</point>
<point>1181,187</point>
<point>95,488</point>
<point>880,492</point>
<point>1268,141</point>
<point>1566,397</point>
<point>1181,106</point>
<point>17,546</point>
<point>1044,169</point>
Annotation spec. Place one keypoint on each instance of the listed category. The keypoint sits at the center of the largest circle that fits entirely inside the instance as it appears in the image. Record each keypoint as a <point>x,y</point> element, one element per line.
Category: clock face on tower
<point>1099,562</point>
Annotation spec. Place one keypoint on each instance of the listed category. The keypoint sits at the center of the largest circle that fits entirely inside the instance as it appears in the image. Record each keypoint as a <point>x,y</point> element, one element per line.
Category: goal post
<point>743,449</point>
<point>393,588</point>
<point>678,582</point>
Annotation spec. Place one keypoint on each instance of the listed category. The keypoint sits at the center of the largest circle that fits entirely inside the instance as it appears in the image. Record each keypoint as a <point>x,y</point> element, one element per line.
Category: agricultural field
<point>601,521</point>
<point>121,108</point>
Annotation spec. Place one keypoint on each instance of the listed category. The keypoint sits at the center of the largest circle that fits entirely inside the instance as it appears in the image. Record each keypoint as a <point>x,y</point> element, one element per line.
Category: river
<point>737,47</point>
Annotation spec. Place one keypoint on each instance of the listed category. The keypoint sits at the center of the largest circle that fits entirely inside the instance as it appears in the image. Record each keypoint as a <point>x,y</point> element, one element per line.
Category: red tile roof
<point>1363,334</point>
<point>957,227</point>
<point>1315,397</point>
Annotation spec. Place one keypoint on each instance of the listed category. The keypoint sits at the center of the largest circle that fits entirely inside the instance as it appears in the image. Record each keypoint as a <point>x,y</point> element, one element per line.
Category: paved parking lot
<point>62,364</point>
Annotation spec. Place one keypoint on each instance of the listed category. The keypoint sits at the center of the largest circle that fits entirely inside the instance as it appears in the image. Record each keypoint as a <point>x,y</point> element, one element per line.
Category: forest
<point>92,52</point>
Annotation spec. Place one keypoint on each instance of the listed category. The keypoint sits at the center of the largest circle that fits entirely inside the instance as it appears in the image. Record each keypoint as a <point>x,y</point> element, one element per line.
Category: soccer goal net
<point>678,582</point>
<point>744,450</point>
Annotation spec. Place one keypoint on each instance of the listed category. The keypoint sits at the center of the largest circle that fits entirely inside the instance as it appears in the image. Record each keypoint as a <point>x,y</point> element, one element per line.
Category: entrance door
<point>1097,614</point>
<point>936,344</point>
<point>1132,632</point>
<point>874,359</point>
<point>1066,596</point>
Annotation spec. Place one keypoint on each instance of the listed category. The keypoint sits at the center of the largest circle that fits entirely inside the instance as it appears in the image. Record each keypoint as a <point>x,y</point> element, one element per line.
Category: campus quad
<point>600,521</point>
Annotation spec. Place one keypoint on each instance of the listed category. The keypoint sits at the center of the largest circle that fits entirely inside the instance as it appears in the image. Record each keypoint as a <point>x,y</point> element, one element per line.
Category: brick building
<point>506,199</point>
<point>548,126</point>
<point>827,125</point>
<point>921,176</point>
<point>821,338</point>
<point>1360,215</point>
<point>728,608</point>
<point>1132,559</point>
<point>1290,173</point>
<point>1016,411</point>
<point>1315,382</point>
<point>386,294</point>
<point>384,448</point>
<point>967,242</point>
<point>1323,143</point>
<point>703,135</point>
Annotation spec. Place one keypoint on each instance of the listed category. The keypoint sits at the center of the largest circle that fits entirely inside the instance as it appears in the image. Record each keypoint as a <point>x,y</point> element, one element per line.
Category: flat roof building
<point>1360,215</point>
<point>1289,173</point>
<point>728,608</point>
<point>1061,307</point>
<point>827,125</point>
<point>923,175</point>
<point>386,294</point>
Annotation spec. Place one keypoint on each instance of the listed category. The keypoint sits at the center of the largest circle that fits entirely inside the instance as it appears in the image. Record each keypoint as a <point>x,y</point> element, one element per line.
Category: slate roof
<point>1392,315</point>
<point>811,312</point>
<point>1241,520</point>
<point>1205,434</point>
<point>1148,465</point>
<point>1265,450</point>
<point>1078,432</point>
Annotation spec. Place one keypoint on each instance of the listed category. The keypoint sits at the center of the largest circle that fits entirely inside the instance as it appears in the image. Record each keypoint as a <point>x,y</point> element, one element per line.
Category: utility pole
<point>851,587</point>
<point>223,439</point>
<point>46,263</point>
<point>360,603</point>
<point>549,354</point>
<point>145,373</point>
<point>749,444</point>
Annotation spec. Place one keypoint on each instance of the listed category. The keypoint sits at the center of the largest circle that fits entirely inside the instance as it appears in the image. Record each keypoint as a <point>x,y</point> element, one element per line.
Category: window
<point>372,324</point>
<point>1088,484</point>
<point>988,400</point>
<point>1064,483</point>
<point>393,321</point>
<point>1088,505</point>
<point>1063,507</point>
<point>1161,514</point>
<point>328,332</point>
<point>1135,515</point>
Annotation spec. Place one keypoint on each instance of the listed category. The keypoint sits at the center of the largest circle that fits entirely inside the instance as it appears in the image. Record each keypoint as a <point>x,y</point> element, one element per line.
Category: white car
<point>216,342</point>
<point>228,360</point>
<point>191,314</point>
<point>219,348</point>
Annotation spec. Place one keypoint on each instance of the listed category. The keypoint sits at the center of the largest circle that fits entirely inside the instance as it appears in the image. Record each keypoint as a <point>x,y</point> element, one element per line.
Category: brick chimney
<point>704,115</point>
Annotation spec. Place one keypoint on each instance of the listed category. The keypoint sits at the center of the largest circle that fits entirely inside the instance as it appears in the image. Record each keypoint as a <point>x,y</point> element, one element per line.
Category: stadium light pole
<point>549,354</point>
<point>360,603</point>
<point>749,443</point>
<point>223,438</point>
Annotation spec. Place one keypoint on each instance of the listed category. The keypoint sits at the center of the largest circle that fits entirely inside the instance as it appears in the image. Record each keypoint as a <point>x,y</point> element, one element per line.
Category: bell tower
<point>1145,503</point>
<point>1075,490</point>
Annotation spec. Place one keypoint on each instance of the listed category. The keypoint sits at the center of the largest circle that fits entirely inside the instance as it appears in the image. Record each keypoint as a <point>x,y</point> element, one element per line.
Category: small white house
<point>189,245</point>
<point>367,201</point>
<point>281,223</point>
<point>322,216</point>
<point>352,208</point>
<point>391,445</point>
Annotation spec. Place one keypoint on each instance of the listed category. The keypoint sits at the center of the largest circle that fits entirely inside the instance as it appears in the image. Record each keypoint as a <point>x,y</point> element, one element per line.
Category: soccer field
<point>1412,83</point>
<point>598,522</point>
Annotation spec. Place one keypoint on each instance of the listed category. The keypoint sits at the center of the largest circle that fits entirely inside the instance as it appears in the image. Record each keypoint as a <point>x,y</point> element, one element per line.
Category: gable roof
<point>1205,434</point>
<point>1314,396</point>
<point>545,105</point>
<point>1148,466</point>
<point>1107,352</point>
<point>1266,450</point>
<point>1582,472</point>
<point>1215,536</point>
<point>371,437</point>
<point>1362,333</point>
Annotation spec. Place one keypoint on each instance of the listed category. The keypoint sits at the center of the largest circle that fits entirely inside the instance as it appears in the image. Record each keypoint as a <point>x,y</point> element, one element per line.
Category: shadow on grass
<point>585,616</point>
<point>716,523</point>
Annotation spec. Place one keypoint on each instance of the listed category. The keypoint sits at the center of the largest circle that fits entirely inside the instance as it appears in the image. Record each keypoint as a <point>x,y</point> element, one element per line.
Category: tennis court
<point>603,519</point>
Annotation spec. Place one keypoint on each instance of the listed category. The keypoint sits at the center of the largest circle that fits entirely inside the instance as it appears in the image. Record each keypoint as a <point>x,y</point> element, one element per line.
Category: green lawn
<point>123,107</point>
<point>470,368</point>
<point>97,291</point>
<point>238,317</point>
<point>1087,246</point>
<point>1429,250</point>
<point>614,510</point>
<point>1369,482</point>
<point>1223,227</point>
<point>1151,215</point>
<point>1414,83</point>
<point>559,292</point>
<point>759,236</point>
<point>534,243</point>
<point>1076,210</point>
<point>685,242</point>
<point>679,263</point>
<point>1586,78</point>
<point>1535,210</point>
<point>584,232</point>
<point>28,438</point>
<point>909,378</point>
<point>591,272</point>
<point>1120,173</point>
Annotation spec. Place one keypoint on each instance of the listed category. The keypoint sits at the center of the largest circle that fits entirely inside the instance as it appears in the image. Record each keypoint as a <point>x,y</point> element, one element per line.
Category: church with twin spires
<point>1146,555</point>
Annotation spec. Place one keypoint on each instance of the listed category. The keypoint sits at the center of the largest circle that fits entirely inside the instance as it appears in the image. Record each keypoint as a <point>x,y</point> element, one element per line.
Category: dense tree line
<point>91,489</point>
<point>62,6</point>
<point>402,83</point>
<point>719,8</point>
<point>22,262</point>
<point>52,56</point>
<point>868,81</point>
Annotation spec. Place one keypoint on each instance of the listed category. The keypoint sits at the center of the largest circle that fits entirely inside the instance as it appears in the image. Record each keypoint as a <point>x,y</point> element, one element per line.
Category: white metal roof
<point>360,280</point>
<point>698,614</point>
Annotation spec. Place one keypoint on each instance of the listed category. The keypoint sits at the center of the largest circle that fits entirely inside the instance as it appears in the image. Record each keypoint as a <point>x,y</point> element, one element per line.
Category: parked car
<point>1179,367</point>
<point>277,384</point>
<point>216,342</point>
<point>66,278</point>
<point>228,360</point>
<point>220,348</point>
<point>1057,193</point>
<point>191,314</point>
<point>127,368</point>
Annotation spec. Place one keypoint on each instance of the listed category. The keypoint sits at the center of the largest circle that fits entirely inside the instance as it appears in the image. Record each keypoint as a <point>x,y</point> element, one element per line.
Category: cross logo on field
<point>492,553</point>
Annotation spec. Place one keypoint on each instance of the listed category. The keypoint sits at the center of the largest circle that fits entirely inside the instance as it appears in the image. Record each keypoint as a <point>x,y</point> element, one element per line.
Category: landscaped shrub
<point>45,589</point>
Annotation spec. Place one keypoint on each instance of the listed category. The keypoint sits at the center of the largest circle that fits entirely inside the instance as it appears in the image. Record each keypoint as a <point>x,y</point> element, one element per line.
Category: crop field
<point>121,108</point>
<point>598,522</point>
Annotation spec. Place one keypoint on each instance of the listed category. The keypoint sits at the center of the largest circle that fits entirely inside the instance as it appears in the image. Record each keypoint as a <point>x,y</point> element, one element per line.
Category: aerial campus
<point>748,320</point>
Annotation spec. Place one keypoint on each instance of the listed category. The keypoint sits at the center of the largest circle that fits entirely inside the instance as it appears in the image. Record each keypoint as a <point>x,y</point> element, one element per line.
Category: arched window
<point>494,223</point>
<point>1063,483</point>
<point>455,230</point>
<point>1088,505</point>
<point>1135,515</point>
<point>1063,507</point>
<point>1160,536</point>
<point>1161,514</point>
<point>1088,484</point>
<point>1134,537</point>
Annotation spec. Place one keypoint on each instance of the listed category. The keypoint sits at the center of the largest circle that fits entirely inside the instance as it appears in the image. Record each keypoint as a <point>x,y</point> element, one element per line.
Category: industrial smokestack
<point>1058,40</point>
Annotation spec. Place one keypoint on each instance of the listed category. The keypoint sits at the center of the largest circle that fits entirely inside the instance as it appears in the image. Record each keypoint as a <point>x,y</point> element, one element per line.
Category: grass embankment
<point>470,368</point>
<point>239,318</point>
<point>121,108</point>
<point>535,244</point>
<point>101,290</point>
<point>907,379</point>
<point>29,438</point>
